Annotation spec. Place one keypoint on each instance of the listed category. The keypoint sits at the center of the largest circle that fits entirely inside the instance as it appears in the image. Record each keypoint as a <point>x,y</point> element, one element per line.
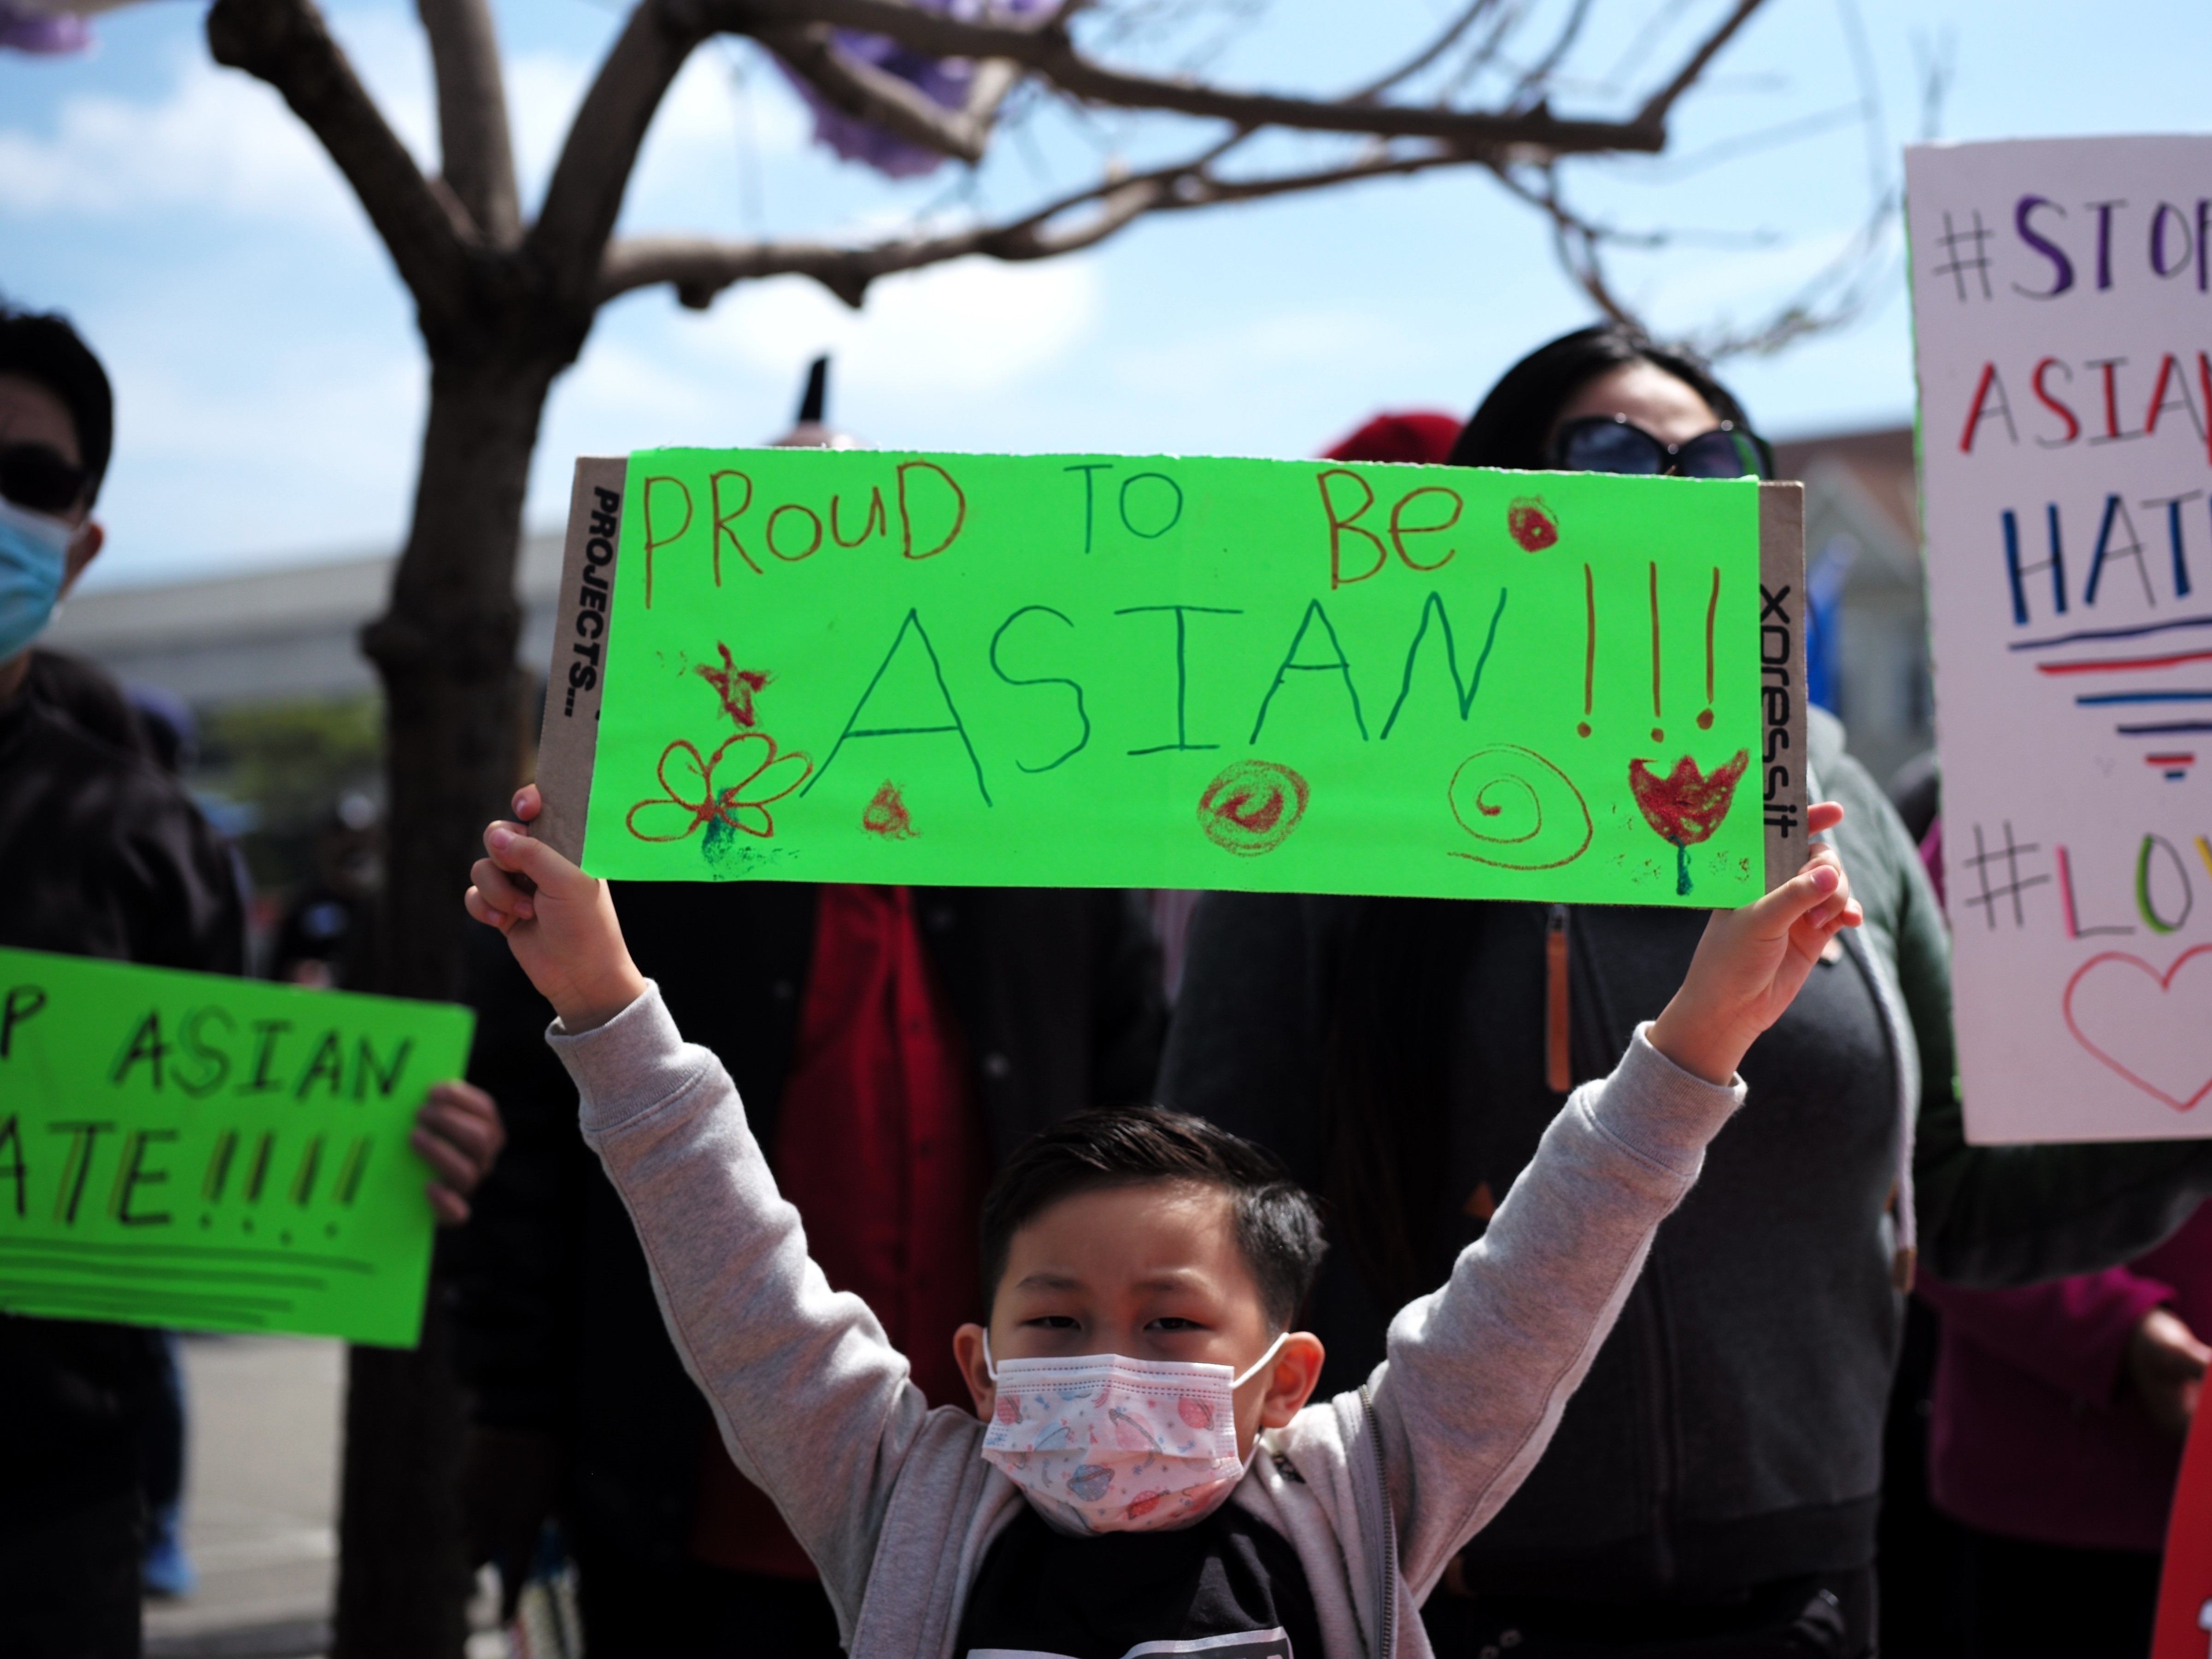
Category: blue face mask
<point>33,554</point>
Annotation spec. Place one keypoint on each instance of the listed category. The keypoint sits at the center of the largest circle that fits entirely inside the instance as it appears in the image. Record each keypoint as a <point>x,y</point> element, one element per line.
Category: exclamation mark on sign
<point>1658,733</point>
<point>349,1175</point>
<point>1712,610</point>
<point>303,1184</point>
<point>218,1170</point>
<point>1590,646</point>
<point>260,1171</point>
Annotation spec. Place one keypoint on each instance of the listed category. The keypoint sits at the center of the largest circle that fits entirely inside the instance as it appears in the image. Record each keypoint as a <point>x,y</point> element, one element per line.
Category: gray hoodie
<point>1375,1490</point>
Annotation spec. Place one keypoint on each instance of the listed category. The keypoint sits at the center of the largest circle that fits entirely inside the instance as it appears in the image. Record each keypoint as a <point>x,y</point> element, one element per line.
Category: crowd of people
<point>1056,1273</point>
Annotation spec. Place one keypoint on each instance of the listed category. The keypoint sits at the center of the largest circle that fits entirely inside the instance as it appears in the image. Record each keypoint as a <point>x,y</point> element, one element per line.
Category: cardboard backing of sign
<point>1781,668</point>
<point>569,752</point>
<point>575,680</point>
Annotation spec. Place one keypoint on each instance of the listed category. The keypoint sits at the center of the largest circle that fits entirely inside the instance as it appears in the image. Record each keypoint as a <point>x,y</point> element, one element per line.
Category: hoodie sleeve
<point>1479,1372</point>
<point>812,1400</point>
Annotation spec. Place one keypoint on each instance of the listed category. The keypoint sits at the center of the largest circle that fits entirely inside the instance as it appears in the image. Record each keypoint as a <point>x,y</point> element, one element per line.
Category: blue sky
<point>272,389</point>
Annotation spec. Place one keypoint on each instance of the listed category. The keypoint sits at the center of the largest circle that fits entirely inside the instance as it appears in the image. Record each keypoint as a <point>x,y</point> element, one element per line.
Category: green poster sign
<point>1163,671</point>
<point>207,1153</point>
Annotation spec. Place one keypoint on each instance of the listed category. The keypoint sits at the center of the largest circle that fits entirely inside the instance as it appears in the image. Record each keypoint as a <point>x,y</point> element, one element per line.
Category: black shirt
<point>104,855</point>
<point>1199,1590</point>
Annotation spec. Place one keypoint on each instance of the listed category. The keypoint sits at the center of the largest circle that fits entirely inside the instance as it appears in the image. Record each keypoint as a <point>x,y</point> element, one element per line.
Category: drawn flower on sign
<point>689,800</point>
<point>735,686</point>
<point>1686,805</point>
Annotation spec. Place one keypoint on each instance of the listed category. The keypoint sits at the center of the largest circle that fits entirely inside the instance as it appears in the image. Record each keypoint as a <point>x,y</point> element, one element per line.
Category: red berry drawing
<point>1530,523</point>
<point>886,815</point>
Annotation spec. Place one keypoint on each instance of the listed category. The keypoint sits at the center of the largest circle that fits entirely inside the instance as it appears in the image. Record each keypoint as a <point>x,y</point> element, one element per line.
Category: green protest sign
<point>1161,671</point>
<point>192,1151</point>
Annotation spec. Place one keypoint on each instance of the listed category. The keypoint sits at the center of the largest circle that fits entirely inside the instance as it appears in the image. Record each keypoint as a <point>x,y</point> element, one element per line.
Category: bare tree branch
<point>1661,103</point>
<point>699,269</point>
<point>883,100</point>
<point>1047,51</point>
<point>586,192</point>
<point>1427,55</point>
<point>1538,75</point>
<point>472,129</point>
<point>287,44</point>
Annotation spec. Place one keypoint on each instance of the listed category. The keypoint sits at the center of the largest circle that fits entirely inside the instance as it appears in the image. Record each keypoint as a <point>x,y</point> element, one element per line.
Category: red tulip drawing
<point>1686,805</point>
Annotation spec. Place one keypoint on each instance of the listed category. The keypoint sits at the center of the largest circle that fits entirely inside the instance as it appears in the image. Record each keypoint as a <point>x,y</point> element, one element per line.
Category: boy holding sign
<point>1142,1270</point>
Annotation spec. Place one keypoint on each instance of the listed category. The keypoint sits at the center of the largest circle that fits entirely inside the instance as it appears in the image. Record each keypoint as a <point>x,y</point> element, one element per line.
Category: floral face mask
<point>1101,1442</point>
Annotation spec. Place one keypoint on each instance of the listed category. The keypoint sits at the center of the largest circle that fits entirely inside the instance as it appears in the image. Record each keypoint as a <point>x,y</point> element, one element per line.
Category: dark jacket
<point>105,856</point>
<point>1058,994</point>
<point>1730,1433</point>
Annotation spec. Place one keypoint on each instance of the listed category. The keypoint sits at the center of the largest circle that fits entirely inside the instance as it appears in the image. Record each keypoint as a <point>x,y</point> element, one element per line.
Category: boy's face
<point>1151,1271</point>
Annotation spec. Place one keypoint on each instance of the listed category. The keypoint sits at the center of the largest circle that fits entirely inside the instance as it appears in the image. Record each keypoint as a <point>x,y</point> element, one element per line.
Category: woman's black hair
<point>1398,980</point>
<point>1513,428</point>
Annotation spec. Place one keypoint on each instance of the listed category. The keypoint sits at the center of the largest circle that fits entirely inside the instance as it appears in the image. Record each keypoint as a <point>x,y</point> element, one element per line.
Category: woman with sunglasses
<point>1713,1486</point>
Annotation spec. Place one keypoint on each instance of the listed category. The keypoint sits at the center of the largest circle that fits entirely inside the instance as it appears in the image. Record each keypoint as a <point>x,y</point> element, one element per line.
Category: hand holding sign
<point>1753,961</point>
<point>561,925</point>
<point>458,1134</point>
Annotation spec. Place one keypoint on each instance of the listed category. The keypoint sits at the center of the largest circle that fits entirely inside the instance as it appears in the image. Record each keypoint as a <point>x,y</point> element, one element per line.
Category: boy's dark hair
<point>1278,1222</point>
<point>44,348</point>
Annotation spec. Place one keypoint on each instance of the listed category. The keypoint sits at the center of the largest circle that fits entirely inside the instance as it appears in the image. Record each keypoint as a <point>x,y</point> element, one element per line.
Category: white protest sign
<point>2061,295</point>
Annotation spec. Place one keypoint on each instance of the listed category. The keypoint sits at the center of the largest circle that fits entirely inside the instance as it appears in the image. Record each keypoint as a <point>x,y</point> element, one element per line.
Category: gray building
<point>275,635</point>
<point>1863,557</point>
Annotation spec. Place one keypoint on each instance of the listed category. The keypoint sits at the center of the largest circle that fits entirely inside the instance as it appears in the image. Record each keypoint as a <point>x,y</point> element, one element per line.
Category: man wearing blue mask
<point>106,855</point>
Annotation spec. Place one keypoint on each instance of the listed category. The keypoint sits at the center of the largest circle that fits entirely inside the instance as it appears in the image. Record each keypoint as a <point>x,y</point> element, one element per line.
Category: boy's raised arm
<point>1479,1372</point>
<point>812,1398</point>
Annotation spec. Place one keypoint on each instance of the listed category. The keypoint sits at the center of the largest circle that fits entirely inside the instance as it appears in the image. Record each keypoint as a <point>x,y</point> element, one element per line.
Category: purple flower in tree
<point>944,80</point>
<point>26,27</point>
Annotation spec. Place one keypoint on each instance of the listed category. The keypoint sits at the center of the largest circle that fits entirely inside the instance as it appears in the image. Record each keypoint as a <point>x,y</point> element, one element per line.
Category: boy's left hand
<point>1753,961</point>
<point>458,1134</point>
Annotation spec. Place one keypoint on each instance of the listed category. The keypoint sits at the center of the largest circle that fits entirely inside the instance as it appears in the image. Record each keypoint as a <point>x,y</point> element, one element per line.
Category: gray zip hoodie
<point>1375,1490</point>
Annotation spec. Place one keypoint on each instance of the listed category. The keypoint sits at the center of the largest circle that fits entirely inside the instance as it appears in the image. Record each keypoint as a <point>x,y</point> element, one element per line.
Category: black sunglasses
<point>35,476</point>
<point>1613,443</point>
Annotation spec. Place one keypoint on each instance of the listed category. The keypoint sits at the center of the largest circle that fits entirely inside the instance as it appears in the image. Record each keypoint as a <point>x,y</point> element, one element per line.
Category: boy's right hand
<point>1753,961</point>
<point>559,922</point>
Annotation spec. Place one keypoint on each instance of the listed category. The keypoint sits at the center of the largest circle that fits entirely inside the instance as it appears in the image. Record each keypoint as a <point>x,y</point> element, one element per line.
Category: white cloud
<point>213,140</point>
<point>1304,344</point>
<point>970,327</point>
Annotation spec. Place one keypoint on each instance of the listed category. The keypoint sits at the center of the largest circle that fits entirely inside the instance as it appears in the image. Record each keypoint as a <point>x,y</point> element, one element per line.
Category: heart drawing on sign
<point>2153,1029</point>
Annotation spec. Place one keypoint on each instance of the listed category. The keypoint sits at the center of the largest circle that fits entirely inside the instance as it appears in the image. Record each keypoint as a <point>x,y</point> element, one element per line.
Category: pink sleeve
<point>2072,1333</point>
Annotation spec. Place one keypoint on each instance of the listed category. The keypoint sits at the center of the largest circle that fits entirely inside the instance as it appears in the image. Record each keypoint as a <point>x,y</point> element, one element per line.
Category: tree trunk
<point>445,651</point>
